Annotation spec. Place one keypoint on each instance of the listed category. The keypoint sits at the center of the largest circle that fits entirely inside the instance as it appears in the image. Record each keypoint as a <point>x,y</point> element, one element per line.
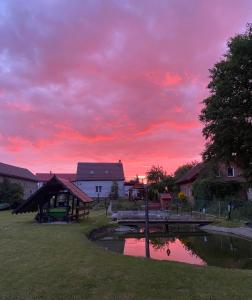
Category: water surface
<point>188,246</point>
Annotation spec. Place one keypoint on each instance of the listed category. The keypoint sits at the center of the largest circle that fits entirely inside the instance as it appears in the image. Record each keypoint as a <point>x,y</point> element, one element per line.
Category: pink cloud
<point>108,80</point>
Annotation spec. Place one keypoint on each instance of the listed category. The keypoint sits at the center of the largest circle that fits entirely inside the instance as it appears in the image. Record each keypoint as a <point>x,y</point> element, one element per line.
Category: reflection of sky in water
<point>173,250</point>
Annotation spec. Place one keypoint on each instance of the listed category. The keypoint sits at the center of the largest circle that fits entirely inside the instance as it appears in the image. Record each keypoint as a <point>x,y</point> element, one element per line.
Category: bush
<point>181,196</point>
<point>11,193</point>
<point>208,189</point>
<point>127,205</point>
<point>114,194</point>
<point>242,212</point>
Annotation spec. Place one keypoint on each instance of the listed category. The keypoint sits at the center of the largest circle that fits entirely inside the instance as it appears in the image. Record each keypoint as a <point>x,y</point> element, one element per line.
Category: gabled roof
<point>191,174</point>
<point>16,172</point>
<point>100,171</point>
<point>75,190</point>
<point>43,195</point>
<point>47,176</point>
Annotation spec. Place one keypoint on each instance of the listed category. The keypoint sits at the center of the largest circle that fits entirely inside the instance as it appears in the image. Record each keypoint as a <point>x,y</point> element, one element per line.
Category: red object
<point>154,206</point>
<point>165,200</point>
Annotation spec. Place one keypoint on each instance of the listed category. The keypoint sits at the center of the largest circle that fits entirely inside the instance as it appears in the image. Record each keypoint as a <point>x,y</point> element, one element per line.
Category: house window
<point>92,172</point>
<point>98,189</point>
<point>230,172</point>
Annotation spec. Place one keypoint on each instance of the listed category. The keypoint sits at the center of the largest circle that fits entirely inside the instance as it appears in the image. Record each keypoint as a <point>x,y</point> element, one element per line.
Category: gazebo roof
<point>44,194</point>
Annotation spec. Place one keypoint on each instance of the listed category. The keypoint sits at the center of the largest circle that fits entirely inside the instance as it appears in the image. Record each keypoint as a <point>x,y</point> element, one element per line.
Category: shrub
<point>208,189</point>
<point>11,193</point>
<point>114,191</point>
<point>181,196</point>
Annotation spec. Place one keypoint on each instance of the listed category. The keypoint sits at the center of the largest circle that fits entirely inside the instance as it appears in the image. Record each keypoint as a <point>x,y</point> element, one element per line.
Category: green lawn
<point>59,262</point>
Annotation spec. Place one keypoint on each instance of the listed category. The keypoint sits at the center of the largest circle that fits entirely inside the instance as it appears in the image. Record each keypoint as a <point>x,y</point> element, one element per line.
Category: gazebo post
<point>77,209</point>
<point>68,198</point>
<point>40,213</point>
<point>55,200</point>
<point>73,205</point>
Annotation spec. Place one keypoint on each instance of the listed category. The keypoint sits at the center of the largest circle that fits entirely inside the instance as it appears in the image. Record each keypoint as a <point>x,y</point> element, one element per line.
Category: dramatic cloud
<point>108,80</point>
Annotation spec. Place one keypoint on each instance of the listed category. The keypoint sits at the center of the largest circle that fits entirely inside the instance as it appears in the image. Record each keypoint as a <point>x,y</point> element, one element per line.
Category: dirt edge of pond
<point>93,234</point>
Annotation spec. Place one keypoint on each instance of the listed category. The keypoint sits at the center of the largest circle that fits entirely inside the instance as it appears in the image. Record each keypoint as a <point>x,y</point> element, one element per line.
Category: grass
<point>59,262</point>
<point>224,222</point>
<point>125,204</point>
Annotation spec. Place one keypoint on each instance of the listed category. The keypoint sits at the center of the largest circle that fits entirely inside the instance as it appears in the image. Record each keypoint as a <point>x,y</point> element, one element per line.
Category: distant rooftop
<point>100,171</point>
<point>17,172</point>
<point>191,174</point>
<point>44,177</point>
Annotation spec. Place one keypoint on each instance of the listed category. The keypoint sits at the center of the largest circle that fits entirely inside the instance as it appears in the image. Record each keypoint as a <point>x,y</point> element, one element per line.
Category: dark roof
<point>17,172</point>
<point>191,174</point>
<point>44,194</point>
<point>138,185</point>
<point>47,176</point>
<point>100,171</point>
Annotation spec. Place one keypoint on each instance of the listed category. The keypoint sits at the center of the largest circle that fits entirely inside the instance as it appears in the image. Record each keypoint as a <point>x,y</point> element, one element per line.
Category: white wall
<point>126,189</point>
<point>89,188</point>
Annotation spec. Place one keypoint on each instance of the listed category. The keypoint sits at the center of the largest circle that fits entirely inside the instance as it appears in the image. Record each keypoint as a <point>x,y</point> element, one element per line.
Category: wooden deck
<point>184,218</point>
<point>172,221</point>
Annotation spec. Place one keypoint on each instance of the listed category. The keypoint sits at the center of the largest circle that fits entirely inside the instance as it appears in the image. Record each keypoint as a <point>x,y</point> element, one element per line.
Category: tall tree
<point>227,112</point>
<point>156,174</point>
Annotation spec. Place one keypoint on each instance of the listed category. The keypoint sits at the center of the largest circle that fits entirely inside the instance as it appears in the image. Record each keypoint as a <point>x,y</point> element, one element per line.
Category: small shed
<point>165,200</point>
<point>57,200</point>
<point>137,191</point>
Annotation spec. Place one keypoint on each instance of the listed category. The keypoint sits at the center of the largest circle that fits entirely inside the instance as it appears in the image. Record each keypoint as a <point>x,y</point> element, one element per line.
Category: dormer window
<point>230,172</point>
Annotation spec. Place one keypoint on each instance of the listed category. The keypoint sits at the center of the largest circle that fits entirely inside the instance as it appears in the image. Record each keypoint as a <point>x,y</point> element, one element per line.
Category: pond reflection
<point>191,246</point>
<point>162,249</point>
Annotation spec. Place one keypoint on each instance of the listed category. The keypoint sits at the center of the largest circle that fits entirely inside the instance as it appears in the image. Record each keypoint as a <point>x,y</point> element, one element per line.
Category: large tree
<point>155,174</point>
<point>227,112</point>
<point>159,182</point>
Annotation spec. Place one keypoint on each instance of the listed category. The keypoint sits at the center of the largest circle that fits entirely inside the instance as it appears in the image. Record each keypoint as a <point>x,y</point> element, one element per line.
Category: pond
<point>181,244</point>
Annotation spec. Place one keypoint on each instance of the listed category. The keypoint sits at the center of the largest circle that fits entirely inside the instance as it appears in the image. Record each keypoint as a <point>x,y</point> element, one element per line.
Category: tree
<point>183,169</point>
<point>227,112</point>
<point>114,191</point>
<point>11,193</point>
<point>156,174</point>
<point>159,182</point>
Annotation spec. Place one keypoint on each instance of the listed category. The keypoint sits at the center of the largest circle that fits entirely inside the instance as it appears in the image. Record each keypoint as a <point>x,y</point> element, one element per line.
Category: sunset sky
<point>108,80</point>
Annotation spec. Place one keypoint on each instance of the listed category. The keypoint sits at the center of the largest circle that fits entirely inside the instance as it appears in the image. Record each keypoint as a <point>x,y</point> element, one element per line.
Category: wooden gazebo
<point>57,200</point>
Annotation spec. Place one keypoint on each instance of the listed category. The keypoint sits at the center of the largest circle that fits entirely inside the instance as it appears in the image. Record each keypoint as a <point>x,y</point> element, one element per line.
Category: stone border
<point>244,232</point>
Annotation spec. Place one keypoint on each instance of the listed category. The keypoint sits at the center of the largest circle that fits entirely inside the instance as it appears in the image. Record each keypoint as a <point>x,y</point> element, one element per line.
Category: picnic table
<point>58,212</point>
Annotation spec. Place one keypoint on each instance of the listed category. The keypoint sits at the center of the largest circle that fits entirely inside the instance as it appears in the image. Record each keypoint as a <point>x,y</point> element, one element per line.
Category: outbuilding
<point>57,200</point>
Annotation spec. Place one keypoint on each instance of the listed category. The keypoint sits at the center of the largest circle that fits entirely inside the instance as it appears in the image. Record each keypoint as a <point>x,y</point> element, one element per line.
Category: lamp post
<point>147,233</point>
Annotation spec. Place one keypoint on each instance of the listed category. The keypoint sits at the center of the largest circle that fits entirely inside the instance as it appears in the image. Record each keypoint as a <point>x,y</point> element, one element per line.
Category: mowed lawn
<point>59,262</point>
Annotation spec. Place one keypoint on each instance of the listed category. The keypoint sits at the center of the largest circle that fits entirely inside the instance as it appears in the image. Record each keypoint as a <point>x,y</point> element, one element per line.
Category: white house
<point>96,179</point>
